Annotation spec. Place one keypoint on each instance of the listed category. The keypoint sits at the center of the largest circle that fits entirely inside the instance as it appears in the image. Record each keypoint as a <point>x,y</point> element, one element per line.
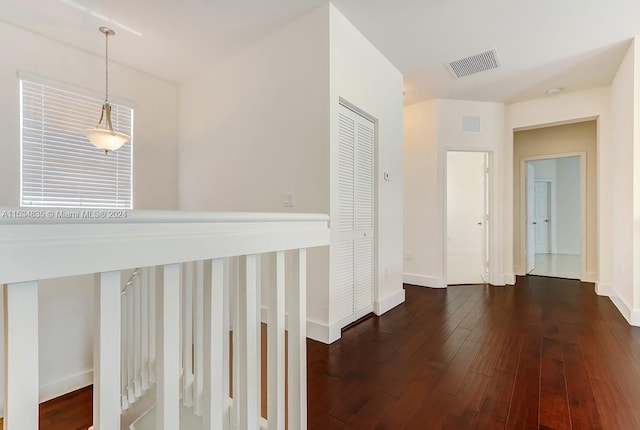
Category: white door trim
<point>583,206</point>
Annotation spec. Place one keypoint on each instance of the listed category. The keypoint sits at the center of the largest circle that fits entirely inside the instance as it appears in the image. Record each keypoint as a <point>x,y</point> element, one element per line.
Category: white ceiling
<point>574,44</point>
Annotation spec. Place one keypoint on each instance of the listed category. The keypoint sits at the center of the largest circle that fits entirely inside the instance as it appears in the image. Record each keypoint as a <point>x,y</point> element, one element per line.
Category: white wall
<point>565,108</point>
<point>423,189</point>
<point>624,99</point>
<point>430,129</point>
<point>362,76</point>
<point>568,228</point>
<point>545,169</point>
<point>263,123</point>
<point>256,126</point>
<point>65,305</point>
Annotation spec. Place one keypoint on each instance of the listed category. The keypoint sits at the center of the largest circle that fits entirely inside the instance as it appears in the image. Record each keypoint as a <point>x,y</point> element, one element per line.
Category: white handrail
<point>50,243</point>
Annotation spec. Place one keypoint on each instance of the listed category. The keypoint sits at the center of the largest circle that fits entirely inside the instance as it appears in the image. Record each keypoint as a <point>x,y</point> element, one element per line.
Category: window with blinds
<point>59,166</point>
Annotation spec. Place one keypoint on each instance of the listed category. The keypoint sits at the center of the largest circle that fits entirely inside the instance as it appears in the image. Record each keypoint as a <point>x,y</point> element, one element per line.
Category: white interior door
<point>467,186</point>
<point>541,216</point>
<point>531,233</point>
<point>354,228</point>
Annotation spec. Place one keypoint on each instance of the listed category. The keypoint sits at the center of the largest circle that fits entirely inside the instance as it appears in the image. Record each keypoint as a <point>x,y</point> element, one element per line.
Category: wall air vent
<point>483,61</point>
<point>470,124</point>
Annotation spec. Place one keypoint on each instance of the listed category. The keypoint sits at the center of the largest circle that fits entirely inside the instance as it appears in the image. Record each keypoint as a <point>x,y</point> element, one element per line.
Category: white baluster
<point>234,287</point>
<point>144,328</point>
<point>168,354</point>
<point>226,343</point>
<point>275,347</point>
<point>187,335</point>
<point>21,389</point>
<point>106,352</point>
<point>137,338</point>
<point>258,357</point>
<point>216,374</point>
<point>247,398</point>
<point>124,376</point>
<point>153,306</point>
<point>198,338</point>
<point>297,350</point>
<point>131,397</point>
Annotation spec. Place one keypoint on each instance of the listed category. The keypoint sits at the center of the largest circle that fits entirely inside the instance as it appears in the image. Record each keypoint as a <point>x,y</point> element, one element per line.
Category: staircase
<point>163,354</point>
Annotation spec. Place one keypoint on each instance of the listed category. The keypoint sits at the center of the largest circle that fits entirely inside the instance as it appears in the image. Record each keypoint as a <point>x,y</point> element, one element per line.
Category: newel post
<point>106,352</point>
<point>21,379</point>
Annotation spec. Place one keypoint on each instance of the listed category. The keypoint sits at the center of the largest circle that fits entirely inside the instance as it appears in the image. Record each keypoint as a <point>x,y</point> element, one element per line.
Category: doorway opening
<point>555,215</point>
<point>467,217</point>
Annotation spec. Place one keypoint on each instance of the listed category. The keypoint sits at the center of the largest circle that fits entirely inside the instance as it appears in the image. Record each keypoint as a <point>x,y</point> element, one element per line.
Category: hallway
<point>557,266</point>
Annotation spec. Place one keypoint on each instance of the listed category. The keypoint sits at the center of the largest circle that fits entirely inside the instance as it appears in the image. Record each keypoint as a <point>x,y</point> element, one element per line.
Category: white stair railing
<point>32,249</point>
<point>138,325</point>
<point>137,332</point>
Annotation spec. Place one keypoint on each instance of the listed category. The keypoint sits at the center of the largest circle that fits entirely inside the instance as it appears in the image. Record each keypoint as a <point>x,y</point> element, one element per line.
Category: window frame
<point>86,97</point>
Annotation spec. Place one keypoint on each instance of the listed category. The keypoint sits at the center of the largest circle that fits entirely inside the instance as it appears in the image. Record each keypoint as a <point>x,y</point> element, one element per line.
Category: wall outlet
<point>408,256</point>
<point>288,201</point>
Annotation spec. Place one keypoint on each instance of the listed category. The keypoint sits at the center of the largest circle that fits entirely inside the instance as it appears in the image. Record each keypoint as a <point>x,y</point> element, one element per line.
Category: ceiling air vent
<point>487,60</point>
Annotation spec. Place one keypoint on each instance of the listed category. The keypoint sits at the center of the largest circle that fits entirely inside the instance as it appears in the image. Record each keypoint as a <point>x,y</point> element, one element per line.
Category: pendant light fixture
<point>103,136</point>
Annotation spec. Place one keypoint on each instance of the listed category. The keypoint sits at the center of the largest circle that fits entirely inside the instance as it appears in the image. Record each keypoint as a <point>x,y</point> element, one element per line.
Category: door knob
<point>546,220</point>
<point>534,223</point>
<point>479,223</point>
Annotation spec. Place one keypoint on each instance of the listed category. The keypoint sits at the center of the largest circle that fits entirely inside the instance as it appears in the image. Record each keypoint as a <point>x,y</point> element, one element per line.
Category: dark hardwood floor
<point>72,411</point>
<point>545,354</point>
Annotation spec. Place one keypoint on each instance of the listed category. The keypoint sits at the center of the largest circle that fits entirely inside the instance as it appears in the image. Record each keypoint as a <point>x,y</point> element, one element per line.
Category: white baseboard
<point>389,302</point>
<point>432,282</point>
<point>66,385</point>
<point>63,386</point>
<point>590,277</point>
<point>322,332</point>
<point>624,309</point>
<point>423,281</point>
<point>329,333</point>
<point>315,330</point>
<point>631,315</point>
<point>264,314</point>
<point>502,280</point>
<point>603,289</point>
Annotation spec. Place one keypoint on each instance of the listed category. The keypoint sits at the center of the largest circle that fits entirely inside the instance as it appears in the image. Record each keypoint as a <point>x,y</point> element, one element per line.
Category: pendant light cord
<point>106,67</point>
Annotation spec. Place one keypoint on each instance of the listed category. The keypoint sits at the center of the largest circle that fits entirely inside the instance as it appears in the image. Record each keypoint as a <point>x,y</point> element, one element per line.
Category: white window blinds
<point>59,166</point>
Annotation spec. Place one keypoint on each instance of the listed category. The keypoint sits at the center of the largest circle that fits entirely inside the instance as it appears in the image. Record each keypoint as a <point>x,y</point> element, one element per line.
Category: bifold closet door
<point>354,229</point>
